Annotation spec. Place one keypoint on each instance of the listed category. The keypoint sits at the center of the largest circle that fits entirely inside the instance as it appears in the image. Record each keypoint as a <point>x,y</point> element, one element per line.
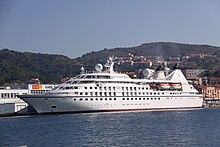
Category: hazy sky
<point>76,27</point>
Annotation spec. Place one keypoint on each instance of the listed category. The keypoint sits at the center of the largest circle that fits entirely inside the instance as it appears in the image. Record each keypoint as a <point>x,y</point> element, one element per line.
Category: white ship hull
<point>110,91</point>
<point>67,104</point>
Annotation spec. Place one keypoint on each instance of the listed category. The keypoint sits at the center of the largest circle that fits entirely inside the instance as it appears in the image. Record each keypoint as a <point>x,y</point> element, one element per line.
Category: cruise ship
<point>105,90</point>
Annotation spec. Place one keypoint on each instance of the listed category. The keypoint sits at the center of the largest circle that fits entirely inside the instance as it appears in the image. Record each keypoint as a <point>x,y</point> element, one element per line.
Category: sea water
<point>180,128</point>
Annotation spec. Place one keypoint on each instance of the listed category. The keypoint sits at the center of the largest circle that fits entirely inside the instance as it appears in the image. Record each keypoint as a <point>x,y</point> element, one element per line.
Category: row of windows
<point>108,88</point>
<point>114,88</point>
<point>95,99</point>
<point>97,93</point>
<point>9,95</point>
<point>38,91</point>
<point>123,93</point>
<point>141,98</point>
<point>139,93</point>
<point>110,99</point>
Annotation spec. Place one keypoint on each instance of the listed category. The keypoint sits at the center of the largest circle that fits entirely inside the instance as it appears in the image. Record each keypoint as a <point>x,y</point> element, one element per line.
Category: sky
<point>75,27</point>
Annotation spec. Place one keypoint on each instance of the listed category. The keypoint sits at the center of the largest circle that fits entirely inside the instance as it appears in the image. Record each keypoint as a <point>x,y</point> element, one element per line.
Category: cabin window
<point>90,87</point>
<point>110,99</point>
<point>115,99</point>
<point>127,98</point>
<point>151,98</point>
<point>85,87</point>
<point>81,93</point>
<point>86,93</point>
<point>143,98</point>
<point>96,99</point>
<point>53,106</point>
<point>106,99</point>
<point>80,99</point>
<point>131,98</point>
<point>114,93</point>
<point>158,98</point>
<point>86,99</point>
<point>91,99</point>
<point>123,88</point>
<point>75,87</point>
<point>139,98</point>
<point>135,98</point>
<point>100,99</point>
<point>123,99</point>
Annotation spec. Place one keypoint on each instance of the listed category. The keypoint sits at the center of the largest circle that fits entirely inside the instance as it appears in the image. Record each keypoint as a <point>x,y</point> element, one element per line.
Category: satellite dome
<point>98,67</point>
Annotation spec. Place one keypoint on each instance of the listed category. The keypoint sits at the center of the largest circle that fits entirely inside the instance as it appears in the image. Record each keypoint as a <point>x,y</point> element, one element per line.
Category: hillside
<point>164,49</point>
<point>19,67</point>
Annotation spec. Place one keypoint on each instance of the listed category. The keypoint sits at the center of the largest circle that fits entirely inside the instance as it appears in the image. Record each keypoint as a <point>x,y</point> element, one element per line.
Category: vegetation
<point>18,67</point>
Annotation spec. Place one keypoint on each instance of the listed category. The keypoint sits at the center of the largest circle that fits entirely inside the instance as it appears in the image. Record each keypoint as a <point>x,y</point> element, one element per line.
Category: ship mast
<point>109,65</point>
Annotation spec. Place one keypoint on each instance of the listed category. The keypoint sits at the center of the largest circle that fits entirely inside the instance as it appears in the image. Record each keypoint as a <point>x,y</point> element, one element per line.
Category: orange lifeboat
<point>164,86</point>
<point>175,86</point>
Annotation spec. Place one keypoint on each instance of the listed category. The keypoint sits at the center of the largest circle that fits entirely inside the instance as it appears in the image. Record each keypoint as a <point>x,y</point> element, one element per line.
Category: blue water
<point>183,128</point>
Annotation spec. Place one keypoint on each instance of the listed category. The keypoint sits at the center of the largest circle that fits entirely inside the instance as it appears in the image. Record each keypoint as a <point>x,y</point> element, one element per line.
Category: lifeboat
<point>175,86</point>
<point>164,86</point>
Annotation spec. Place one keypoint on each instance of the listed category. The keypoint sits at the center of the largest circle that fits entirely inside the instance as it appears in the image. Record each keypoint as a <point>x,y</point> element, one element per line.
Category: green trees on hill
<point>17,67</point>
